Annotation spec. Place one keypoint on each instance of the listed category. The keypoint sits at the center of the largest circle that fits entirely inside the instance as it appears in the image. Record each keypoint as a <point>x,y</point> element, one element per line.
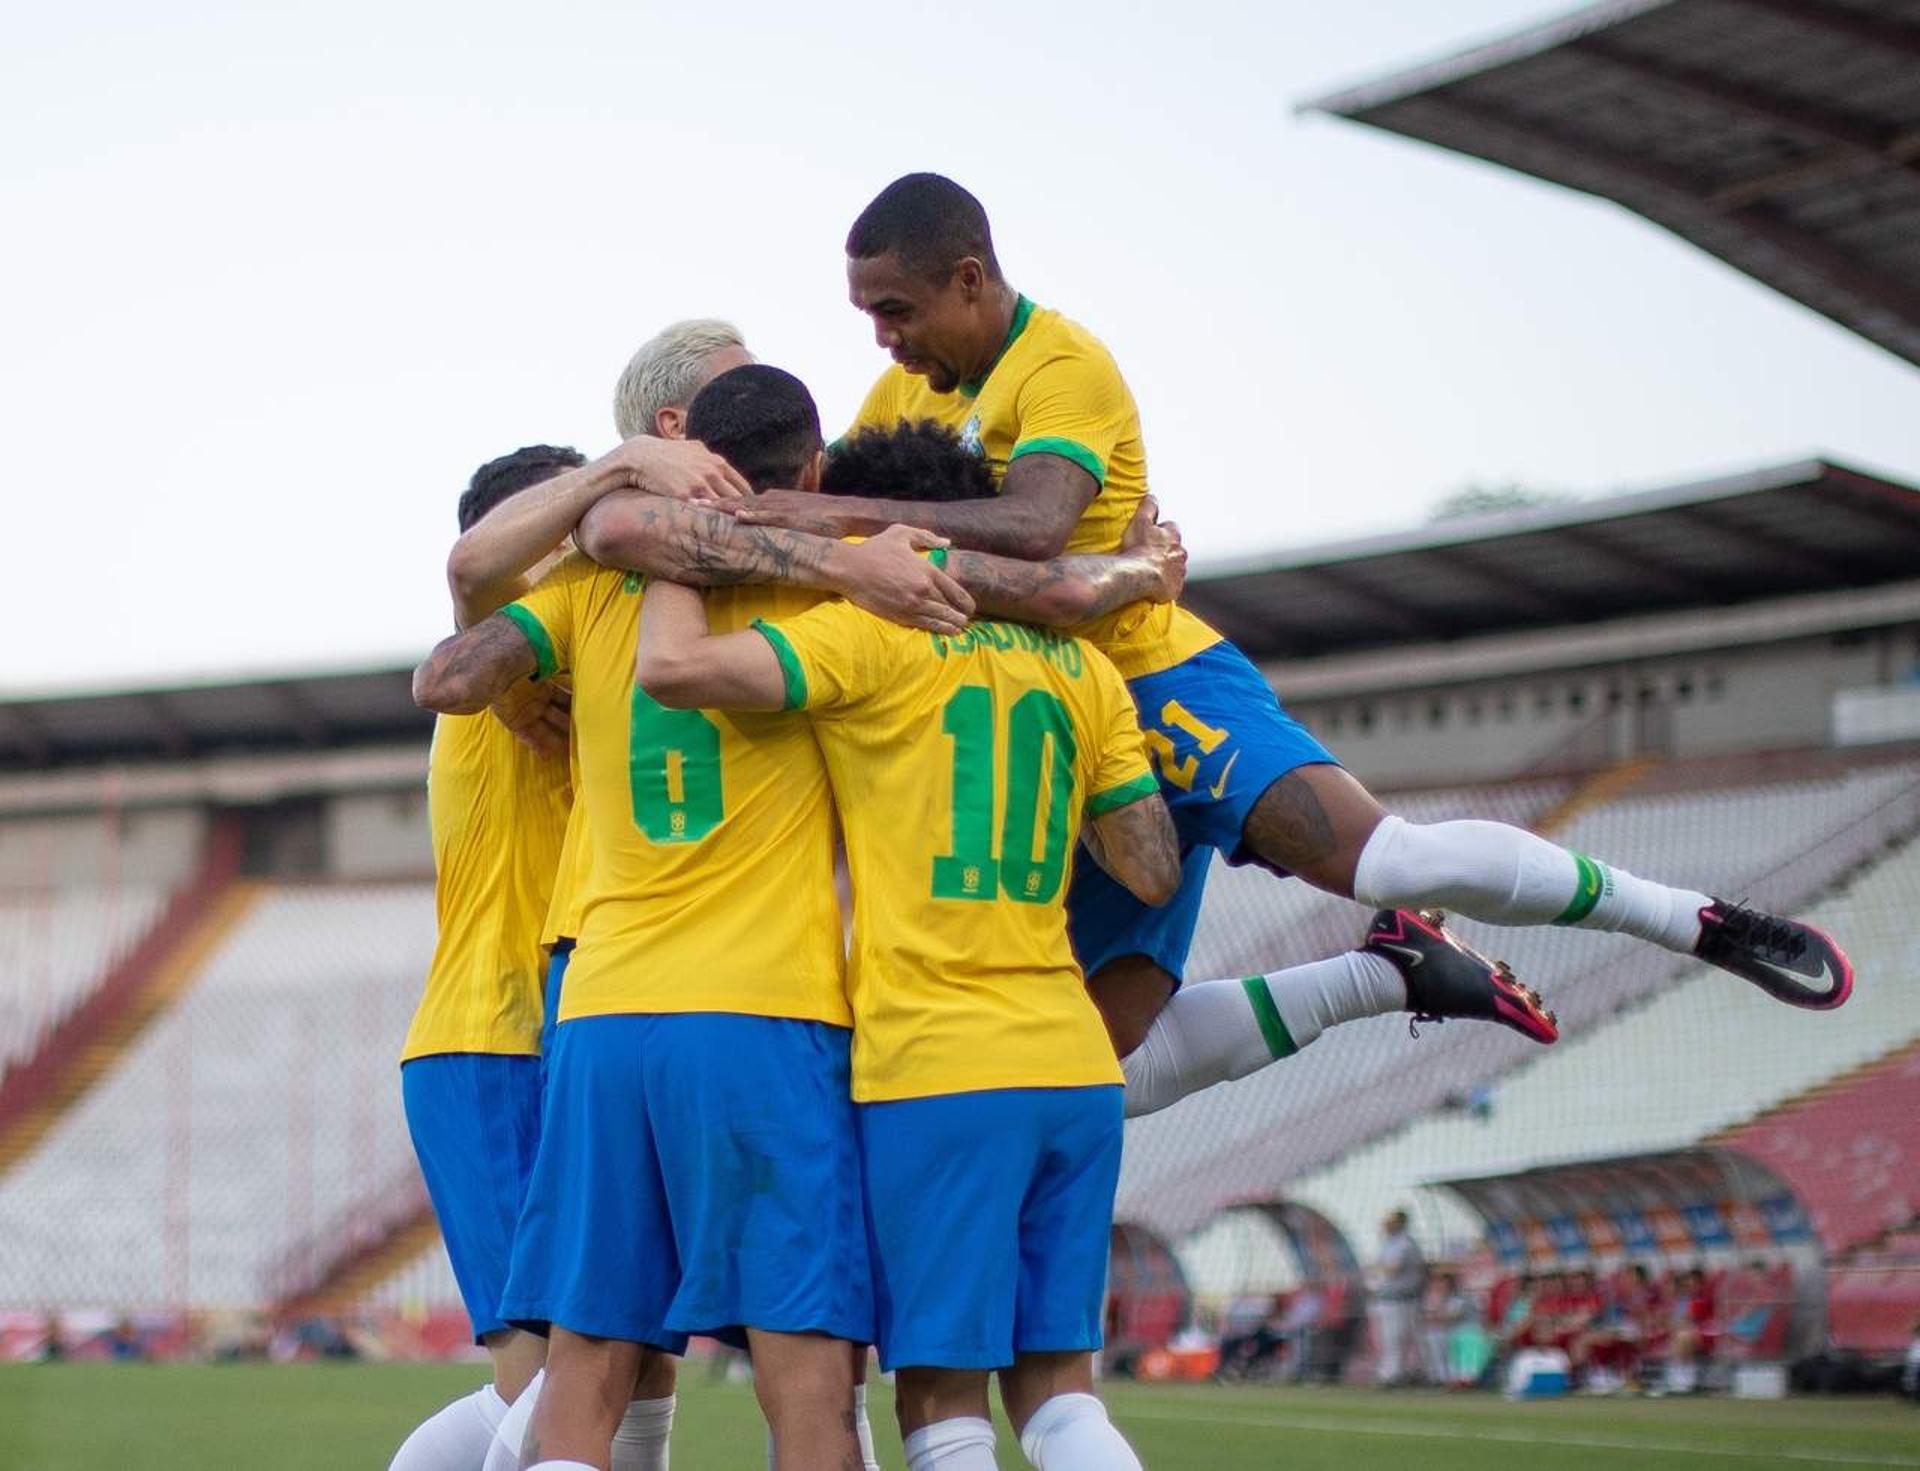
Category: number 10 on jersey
<point>1040,755</point>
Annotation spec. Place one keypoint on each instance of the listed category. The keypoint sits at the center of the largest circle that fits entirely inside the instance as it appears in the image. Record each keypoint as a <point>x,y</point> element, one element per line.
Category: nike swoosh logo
<point>1413,956</point>
<point>1219,788</point>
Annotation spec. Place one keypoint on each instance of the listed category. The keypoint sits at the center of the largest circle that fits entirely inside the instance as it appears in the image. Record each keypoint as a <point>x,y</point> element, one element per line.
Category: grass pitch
<point>318,1417</point>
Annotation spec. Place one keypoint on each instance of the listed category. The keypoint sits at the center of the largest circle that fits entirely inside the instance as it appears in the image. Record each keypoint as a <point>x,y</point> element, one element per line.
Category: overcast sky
<point>276,277</point>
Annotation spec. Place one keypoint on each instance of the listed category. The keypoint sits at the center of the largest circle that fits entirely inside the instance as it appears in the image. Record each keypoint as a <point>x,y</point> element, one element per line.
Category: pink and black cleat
<point>1446,978</point>
<point>1790,961</point>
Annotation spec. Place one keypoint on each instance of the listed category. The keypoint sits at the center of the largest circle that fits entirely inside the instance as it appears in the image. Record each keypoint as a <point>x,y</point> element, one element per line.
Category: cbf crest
<point>970,436</point>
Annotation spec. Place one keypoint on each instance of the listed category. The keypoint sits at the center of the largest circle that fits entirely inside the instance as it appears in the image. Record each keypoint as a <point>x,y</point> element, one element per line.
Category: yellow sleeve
<point>833,655</point>
<point>1075,405</point>
<point>545,614</point>
<point>1121,774</point>
<point>879,409</point>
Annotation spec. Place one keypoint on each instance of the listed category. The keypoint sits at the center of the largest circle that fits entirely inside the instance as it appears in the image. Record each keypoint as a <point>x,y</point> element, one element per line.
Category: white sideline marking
<point>1518,1437</point>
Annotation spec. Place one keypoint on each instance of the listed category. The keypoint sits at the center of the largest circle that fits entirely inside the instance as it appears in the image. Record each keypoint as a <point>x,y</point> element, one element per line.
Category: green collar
<point>1022,310</point>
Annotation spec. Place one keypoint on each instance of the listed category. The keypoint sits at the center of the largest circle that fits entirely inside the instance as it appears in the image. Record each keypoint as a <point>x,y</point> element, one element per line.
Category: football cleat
<point>1446,978</point>
<point>1790,961</point>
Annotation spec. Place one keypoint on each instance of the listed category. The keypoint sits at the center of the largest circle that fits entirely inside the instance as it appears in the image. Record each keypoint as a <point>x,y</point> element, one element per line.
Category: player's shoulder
<point>1053,334</point>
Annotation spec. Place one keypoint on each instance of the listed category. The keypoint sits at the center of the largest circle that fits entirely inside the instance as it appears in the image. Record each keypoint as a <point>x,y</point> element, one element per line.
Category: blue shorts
<point>475,1121</point>
<point>550,997</point>
<point>990,1215</point>
<point>697,1174</point>
<point>1219,739</point>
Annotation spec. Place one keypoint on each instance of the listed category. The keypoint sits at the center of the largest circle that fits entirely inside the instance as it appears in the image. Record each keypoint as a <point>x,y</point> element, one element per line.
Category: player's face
<point>929,327</point>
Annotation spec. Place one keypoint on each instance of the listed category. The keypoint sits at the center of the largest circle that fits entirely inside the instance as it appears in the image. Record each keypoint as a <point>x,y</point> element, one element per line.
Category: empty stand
<point>249,1115</point>
<point>56,947</point>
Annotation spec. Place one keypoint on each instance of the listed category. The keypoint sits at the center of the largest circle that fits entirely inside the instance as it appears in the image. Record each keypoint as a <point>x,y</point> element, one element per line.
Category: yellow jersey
<point>569,883</point>
<point>962,768</point>
<point>707,875</point>
<point>1055,389</point>
<point>496,812</point>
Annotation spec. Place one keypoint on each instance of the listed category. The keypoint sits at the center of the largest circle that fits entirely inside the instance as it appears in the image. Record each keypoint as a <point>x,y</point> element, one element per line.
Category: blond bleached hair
<point>667,371</point>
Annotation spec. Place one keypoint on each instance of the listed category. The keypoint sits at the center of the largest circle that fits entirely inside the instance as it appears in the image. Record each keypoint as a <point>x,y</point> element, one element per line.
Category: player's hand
<point>792,510</point>
<point>1159,542</point>
<point>538,714</point>
<point>892,578</point>
<point>683,469</point>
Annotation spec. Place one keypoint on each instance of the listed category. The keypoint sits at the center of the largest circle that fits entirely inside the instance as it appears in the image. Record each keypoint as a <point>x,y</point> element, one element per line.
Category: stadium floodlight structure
<point>1782,136</point>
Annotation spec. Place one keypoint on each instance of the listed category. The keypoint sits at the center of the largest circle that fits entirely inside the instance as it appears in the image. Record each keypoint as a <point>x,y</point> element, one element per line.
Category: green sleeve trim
<point>1140,788</point>
<point>938,556</point>
<point>1273,1029</point>
<point>524,619</point>
<point>1067,449</point>
<point>790,670</point>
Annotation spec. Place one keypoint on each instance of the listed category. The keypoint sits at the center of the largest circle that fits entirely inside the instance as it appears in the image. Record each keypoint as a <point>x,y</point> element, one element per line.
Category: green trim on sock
<point>1272,1028</point>
<point>1592,884</point>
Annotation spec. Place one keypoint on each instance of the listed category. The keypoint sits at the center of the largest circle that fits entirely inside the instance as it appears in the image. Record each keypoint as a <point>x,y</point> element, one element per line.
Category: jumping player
<point>990,1116</point>
<point>1049,411</point>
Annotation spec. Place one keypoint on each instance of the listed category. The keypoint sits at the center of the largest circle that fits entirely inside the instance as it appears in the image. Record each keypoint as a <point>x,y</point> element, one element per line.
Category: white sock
<point>863,1428</point>
<point>1215,1031</point>
<point>1071,1432</point>
<point>455,1439</point>
<point>503,1453</point>
<point>1506,875</point>
<point>964,1444</point>
<point>560,1466</point>
<point>640,1444</point>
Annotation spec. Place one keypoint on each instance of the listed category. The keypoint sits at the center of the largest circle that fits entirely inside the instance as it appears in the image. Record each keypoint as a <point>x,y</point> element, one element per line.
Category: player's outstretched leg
<point>455,1438</point>
<point>1317,821</point>
<point>1215,1031</point>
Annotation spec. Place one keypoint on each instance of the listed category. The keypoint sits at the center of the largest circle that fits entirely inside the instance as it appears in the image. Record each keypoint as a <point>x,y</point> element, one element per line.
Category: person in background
<point>1401,1281</point>
<point>1445,1312</point>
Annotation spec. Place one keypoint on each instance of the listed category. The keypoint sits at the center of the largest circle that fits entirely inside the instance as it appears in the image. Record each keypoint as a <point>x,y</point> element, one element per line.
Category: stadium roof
<point>1807,527</point>
<point>1800,528</point>
<point>1781,135</point>
<point>295,712</point>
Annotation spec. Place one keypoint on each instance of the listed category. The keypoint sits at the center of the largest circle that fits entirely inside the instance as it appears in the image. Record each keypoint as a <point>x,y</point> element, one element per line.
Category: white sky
<point>276,277</point>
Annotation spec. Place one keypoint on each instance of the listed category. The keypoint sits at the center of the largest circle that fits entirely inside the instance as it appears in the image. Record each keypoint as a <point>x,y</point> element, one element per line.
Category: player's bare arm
<point>489,566</point>
<point>469,671</point>
<point>698,546</point>
<point>685,667</point>
<point>1041,500</point>
<point>1064,591</point>
<point>1137,845</point>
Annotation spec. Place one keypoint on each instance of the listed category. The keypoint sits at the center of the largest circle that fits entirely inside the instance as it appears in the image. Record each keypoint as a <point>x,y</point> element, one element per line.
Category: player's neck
<point>999,305</point>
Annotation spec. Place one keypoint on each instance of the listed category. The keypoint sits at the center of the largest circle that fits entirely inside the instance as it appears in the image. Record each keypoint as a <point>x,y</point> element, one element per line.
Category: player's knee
<point>1130,991</point>
<point>1314,822</point>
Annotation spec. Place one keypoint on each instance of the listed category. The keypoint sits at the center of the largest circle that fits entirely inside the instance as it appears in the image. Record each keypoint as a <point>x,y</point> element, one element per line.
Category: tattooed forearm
<point>1138,846</point>
<point>1057,593</point>
<point>690,544</point>
<point>465,673</point>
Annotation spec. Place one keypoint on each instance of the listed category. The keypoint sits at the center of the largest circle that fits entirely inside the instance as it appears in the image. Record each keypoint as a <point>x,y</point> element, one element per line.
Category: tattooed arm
<point>1151,566</point>
<point>699,547</point>
<point>1138,846</point>
<point>466,673</point>
<point>1041,500</point>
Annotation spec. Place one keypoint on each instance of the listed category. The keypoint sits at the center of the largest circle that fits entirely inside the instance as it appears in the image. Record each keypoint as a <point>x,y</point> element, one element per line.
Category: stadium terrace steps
<point>89,1041</point>
<point>57,946</point>
<point>1367,1114</point>
<point>251,1113</point>
<point>373,1239</point>
<point>1608,784</point>
<point>1850,1147</point>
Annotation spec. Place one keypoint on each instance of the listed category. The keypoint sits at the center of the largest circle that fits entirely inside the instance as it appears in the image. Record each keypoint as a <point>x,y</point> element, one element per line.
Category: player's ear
<point>810,472</point>
<point>670,422</point>
<point>972,278</point>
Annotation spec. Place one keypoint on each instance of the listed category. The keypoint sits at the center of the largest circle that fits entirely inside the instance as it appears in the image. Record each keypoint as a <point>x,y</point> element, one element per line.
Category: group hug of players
<point>654,1089</point>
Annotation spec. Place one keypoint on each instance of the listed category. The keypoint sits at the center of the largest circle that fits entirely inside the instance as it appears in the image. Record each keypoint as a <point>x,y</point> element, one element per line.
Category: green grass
<point>319,1417</point>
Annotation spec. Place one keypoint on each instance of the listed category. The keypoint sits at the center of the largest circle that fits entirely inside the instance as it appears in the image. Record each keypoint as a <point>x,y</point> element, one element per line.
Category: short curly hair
<point>924,462</point>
